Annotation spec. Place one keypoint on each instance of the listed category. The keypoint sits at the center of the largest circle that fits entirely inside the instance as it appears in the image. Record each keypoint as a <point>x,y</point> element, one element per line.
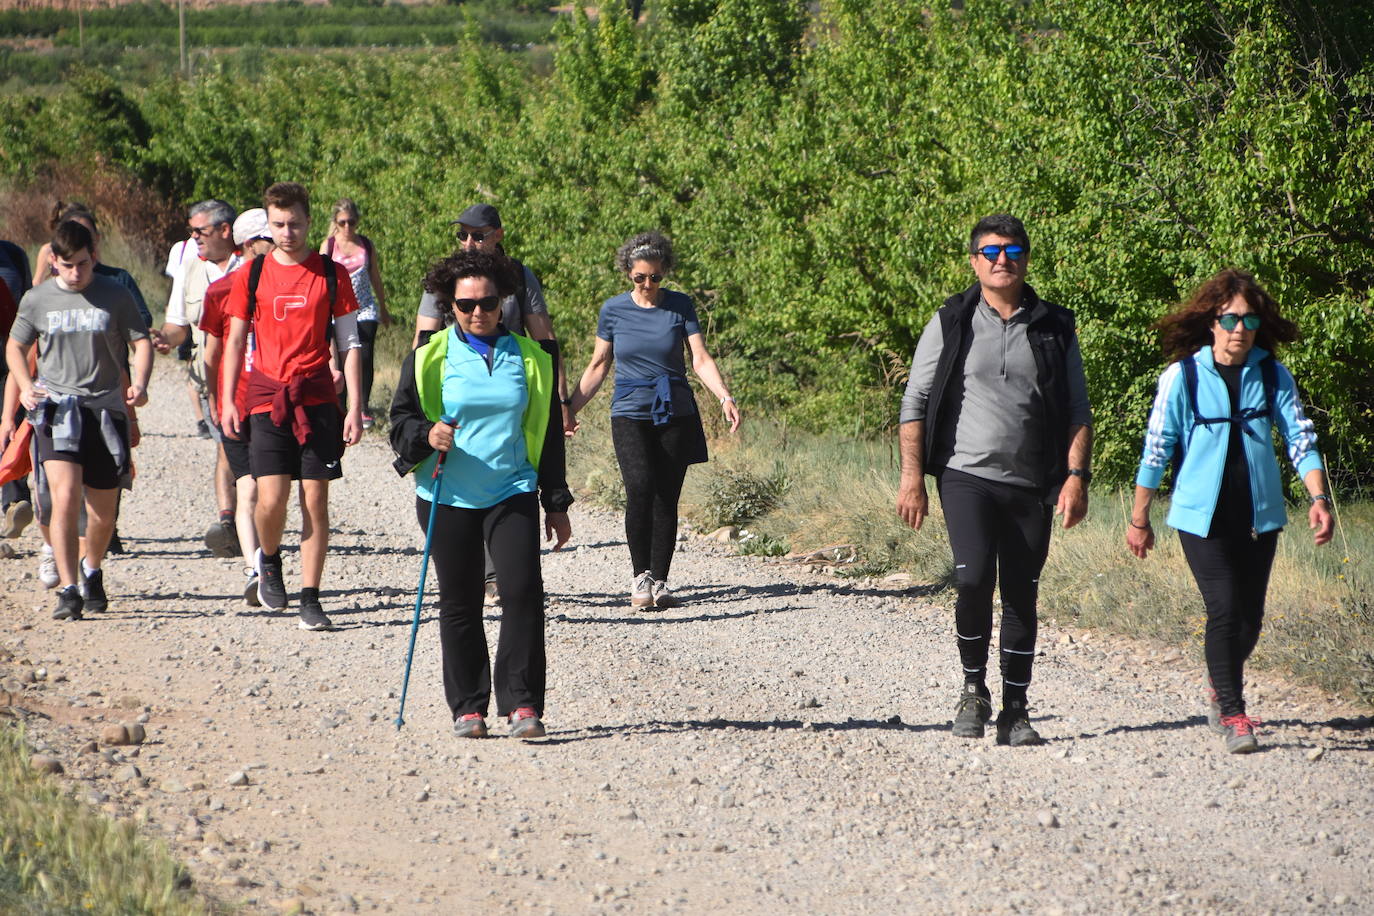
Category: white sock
<point>86,568</point>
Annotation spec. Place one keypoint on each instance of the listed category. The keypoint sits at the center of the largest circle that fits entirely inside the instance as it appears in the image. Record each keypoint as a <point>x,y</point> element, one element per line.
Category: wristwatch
<point>566,402</point>
<point>1081,472</point>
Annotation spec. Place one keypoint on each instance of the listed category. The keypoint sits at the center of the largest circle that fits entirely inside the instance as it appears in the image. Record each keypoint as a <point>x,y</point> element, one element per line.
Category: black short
<point>236,450</point>
<point>273,449</point>
<point>98,468</point>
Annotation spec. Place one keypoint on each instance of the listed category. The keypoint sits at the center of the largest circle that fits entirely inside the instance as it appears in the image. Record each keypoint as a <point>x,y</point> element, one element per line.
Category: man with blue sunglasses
<point>997,411</point>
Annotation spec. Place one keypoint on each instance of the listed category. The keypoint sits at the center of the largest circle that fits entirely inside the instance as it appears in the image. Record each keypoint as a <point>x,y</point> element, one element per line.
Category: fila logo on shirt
<point>281,304</point>
<point>69,320</point>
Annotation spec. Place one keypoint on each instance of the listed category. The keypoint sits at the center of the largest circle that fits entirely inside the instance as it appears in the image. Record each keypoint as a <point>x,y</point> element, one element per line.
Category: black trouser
<point>1232,573</point>
<point>653,477</point>
<point>998,533</point>
<point>367,333</point>
<point>511,530</point>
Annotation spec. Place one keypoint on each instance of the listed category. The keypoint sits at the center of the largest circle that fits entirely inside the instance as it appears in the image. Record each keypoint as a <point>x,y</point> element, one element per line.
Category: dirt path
<point>780,744</point>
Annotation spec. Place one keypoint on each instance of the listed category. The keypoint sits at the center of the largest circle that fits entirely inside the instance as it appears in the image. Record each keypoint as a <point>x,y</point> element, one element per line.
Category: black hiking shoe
<point>93,590</point>
<point>1014,728</point>
<point>69,604</point>
<point>271,586</point>
<point>973,711</point>
<point>313,616</point>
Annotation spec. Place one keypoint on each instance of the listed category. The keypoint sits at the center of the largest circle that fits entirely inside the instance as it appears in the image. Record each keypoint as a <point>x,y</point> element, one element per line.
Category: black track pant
<point>1232,572</point>
<point>653,475</point>
<point>511,530</point>
<point>996,532</point>
<point>367,334</point>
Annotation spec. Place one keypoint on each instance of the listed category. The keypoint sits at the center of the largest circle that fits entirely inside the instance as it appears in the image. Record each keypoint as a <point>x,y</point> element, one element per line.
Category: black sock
<point>310,594</point>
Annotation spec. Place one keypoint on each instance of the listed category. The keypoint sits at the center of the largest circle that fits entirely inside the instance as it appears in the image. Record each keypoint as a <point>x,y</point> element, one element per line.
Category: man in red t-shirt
<point>296,431</point>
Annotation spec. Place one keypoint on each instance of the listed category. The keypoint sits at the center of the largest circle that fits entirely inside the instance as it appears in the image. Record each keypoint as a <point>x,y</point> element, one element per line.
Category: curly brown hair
<point>1188,327</point>
<point>446,273</point>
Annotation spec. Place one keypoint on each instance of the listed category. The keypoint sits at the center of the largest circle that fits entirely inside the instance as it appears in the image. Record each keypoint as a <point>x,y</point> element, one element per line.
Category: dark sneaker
<point>642,590</point>
<point>271,586</point>
<point>524,723</point>
<point>250,591</point>
<point>973,712</point>
<point>17,518</point>
<point>492,597</point>
<point>93,590</point>
<point>471,725</point>
<point>69,604</point>
<point>313,616</point>
<point>1014,728</point>
<point>1240,734</point>
<point>1213,709</point>
<point>203,429</point>
<point>663,595</point>
<point>116,545</point>
<point>223,538</point>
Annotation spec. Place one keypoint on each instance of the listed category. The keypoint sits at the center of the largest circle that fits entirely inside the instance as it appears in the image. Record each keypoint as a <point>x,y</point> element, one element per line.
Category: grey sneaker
<point>93,589</point>
<point>250,591</point>
<point>69,604</point>
<point>17,518</point>
<point>663,596</point>
<point>1014,728</point>
<point>1213,709</point>
<point>491,597</point>
<point>524,723</point>
<point>642,590</point>
<point>271,586</point>
<point>973,712</point>
<point>1240,734</point>
<point>471,725</point>
<point>47,568</point>
<point>222,538</point>
<point>313,616</point>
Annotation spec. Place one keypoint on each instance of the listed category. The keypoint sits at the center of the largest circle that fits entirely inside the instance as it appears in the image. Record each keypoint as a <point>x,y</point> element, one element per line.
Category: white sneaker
<point>642,590</point>
<point>663,596</point>
<point>47,568</point>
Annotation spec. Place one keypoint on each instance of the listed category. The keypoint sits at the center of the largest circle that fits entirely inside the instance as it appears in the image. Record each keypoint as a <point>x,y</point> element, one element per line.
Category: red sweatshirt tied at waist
<point>291,398</point>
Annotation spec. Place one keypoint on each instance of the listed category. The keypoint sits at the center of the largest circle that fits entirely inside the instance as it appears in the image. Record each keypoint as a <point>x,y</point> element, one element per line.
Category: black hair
<point>69,238</point>
<point>446,273</point>
<point>1003,224</point>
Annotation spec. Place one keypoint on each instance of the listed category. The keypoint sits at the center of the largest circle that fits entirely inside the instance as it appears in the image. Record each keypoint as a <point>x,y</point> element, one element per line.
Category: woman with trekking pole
<point>485,400</point>
<point>1216,404</point>
<point>655,425</point>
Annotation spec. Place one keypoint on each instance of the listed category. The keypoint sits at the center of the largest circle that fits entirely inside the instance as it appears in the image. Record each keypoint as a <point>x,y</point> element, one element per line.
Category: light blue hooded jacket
<point>1198,485</point>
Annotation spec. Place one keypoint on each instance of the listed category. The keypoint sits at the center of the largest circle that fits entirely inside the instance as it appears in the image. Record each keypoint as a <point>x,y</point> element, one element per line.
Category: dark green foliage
<point>819,176</point>
<point>737,497</point>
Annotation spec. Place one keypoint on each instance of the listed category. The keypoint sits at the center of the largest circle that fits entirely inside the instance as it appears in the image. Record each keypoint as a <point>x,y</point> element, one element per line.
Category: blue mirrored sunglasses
<point>1014,252</point>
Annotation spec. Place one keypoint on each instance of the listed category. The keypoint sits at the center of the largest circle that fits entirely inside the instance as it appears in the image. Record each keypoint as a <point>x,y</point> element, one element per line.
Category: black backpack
<point>331,281</point>
<point>1269,373</point>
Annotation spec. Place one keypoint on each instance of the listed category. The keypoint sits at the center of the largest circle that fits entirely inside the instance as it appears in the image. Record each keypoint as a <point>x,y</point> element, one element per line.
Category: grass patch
<point>57,856</point>
<point>1319,621</point>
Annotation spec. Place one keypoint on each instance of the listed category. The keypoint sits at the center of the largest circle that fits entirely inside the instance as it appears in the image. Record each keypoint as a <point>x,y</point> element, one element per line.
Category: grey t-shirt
<point>648,343</point>
<point>997,429</point>
<point>512,312</point>
<point>83,338</point>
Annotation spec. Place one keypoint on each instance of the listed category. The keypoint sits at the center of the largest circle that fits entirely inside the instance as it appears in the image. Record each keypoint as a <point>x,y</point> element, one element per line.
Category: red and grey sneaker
<point>524,723</point>
<point>1240,734</point>
<point>470,725</point>
<point>1213,709</point>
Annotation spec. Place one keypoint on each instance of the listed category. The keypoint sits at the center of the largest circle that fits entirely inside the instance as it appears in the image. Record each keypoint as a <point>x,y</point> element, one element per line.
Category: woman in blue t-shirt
<point>487,400</point>
<point>655,426</point>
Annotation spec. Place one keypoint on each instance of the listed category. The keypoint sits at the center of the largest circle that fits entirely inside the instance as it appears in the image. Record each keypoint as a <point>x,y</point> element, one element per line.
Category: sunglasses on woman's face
<point>640,278</point>
<point>991,252</point>
<point>346,222</point>
<point>486,304</point>
<point>1229,321</point>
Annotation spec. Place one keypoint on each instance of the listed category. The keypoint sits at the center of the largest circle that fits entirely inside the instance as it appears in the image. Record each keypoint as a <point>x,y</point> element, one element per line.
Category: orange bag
<point>17,460</point>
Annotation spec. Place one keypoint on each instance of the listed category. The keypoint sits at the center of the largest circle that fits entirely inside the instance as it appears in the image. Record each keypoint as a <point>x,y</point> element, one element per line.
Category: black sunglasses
<point>486,304</point>
<point>478,237</point>
<point>640,278</point>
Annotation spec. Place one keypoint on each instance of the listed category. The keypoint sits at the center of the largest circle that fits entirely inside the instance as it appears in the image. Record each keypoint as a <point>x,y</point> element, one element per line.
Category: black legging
<point>1232,572</point>
<point>997,532</point>
<point>653,471</point>
<point>367,333</point>
<point>511,529</point>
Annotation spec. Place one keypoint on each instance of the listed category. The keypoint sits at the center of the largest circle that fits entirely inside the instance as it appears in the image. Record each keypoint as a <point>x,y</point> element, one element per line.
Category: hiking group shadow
<point>679,726</point>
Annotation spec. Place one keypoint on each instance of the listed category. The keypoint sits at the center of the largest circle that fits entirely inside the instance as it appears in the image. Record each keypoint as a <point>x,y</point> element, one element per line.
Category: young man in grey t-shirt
<point>84,325</point>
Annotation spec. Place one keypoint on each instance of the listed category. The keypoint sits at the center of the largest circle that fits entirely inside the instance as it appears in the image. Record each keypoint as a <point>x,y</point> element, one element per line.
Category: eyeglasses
<point>486,304</point>
<point>1229,321</point>
<point>198,231</point>
<point>346,222</point>
<point>478,237</point>
<point>652,278</point>
<point>991,252</point>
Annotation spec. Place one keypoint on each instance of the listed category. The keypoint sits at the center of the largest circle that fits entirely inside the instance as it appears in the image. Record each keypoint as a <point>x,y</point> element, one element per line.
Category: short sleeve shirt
<point>214,321</point>
<point>291,325</point>
<point>648,343</point>
<point>83,337</point>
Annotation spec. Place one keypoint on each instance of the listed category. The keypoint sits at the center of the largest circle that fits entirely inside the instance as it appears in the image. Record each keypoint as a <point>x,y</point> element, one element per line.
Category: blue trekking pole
<point>438,479</point>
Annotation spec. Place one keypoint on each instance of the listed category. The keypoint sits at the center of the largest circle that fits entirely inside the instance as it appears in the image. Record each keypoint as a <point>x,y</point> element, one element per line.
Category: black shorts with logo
<point>273,449</point>
<point>98,468</point>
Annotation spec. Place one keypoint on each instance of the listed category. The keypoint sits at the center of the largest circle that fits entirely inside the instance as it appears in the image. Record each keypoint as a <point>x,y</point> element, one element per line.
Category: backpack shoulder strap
<point>331,280</point>
<point>254,277</point>
<point>1189,367</point>
<point>329,247</point>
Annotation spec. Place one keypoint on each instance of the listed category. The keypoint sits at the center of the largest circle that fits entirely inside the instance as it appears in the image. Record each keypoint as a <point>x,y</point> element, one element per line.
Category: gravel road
<point>780,744</point>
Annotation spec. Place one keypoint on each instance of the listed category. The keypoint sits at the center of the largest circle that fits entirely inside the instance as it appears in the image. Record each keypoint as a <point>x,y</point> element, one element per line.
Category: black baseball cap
<point>479,215</point>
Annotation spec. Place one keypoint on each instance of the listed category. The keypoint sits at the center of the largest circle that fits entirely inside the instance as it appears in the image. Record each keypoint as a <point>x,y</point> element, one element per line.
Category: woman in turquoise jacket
<point>486,400</point>
<point>1212,416</point>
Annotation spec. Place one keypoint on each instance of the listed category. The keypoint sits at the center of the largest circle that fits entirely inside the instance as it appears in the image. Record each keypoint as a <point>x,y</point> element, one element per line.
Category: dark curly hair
<point>446,273</point>
<point>1188,327</point>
